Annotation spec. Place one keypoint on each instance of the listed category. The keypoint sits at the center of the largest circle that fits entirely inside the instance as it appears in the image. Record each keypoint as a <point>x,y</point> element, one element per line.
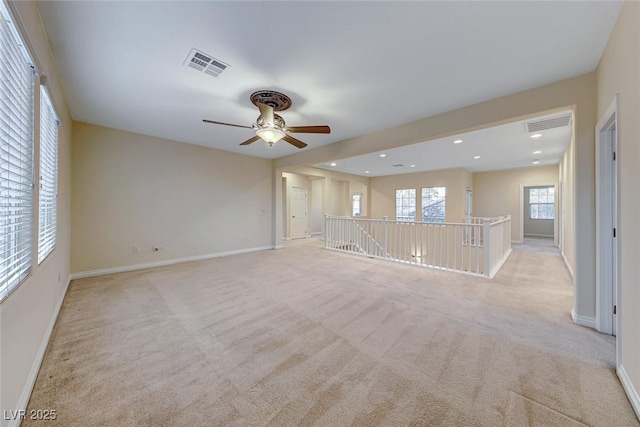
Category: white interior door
<point>299,217</point>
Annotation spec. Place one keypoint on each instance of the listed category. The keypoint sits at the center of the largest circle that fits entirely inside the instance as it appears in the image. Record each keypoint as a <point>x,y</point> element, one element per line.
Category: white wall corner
<point>23,401</point>
<point>578,319</point>
<point>134,267</point>
<point>631,391</point>
<point>566,262</point>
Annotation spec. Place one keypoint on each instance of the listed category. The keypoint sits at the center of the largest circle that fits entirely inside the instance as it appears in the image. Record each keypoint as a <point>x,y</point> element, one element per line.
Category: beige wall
<point>619,73</point>
<point>317,193</point>
<point>498,193</point>
<point>27,315</point>
<point>567,205</point>
<point>383,192</point>
<point>134,190</point>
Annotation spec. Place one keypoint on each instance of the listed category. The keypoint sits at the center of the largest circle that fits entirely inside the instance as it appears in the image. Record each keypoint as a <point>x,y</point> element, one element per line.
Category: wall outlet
<point>134,249</point>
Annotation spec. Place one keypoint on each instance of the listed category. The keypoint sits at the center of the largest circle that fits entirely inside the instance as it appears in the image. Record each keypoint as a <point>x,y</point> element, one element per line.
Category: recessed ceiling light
<point>535,162</point>
<point>334,164</point>
<point>537,152</point>
<point>457,141</point>
<point>383,155</point>
<point>412,166</point>
<point>366,171</point>
<point>476,157</point>
<point>536,135</point>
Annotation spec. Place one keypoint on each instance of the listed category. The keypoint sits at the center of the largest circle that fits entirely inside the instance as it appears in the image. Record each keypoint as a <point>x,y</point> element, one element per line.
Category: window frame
<point>356,200</point>
<point>546,204</point>
<point>408,201</point>
<point>48,176</point>
<point>443,199</point>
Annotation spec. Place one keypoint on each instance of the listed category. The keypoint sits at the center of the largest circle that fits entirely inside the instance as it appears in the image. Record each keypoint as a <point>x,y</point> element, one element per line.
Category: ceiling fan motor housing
<point>278,122</point>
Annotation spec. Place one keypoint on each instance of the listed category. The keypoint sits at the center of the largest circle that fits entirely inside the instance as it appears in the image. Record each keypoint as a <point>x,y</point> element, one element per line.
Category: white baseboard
<point>133,267</point>
<point>23,401</point>
<point>546,236</point>
<point>317,233</point>
<point>628,387</point>
<point>516,242</point>
<point>589,322</point>
<point>566,262</point>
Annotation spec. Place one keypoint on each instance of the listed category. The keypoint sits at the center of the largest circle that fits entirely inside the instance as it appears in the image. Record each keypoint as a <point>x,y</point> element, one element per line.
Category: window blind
<point>48,176</point>
<point>16,157</point>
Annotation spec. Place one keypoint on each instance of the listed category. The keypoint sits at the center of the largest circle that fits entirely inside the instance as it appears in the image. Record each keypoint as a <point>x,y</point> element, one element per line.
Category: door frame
<point>607,250</point>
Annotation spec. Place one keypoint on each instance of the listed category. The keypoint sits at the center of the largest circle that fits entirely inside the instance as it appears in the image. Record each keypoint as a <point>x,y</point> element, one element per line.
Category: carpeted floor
<point>306,336</point>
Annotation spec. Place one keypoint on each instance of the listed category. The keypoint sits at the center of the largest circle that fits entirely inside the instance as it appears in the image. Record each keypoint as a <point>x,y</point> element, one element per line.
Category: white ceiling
<point>499,147</point>
<point>356,66</point>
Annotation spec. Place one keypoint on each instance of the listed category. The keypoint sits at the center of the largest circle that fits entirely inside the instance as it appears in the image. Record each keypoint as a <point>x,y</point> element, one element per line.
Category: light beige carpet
<point>306,336</point>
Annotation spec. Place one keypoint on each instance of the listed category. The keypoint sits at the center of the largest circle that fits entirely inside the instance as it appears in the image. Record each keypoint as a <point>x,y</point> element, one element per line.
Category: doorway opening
<point>539,213</point>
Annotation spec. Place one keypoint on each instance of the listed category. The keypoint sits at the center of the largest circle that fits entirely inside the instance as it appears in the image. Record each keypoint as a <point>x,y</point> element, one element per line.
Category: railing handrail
<point>494,221</point>
<point>501,220</point>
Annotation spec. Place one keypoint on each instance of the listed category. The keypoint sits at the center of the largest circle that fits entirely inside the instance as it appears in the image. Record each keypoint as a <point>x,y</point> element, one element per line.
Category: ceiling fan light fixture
<point>270,135</point>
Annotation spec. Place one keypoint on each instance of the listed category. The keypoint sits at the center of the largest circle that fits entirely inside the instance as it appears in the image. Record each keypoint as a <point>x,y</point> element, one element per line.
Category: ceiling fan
<point>271,127</point>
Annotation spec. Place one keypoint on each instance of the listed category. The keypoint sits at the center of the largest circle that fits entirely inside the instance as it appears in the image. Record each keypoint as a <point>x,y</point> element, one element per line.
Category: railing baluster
<point>455,246</point>
<point>446,233</point>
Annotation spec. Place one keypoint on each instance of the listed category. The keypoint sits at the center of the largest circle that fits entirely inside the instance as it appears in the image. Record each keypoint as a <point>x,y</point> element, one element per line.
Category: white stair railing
<point>477,246</point>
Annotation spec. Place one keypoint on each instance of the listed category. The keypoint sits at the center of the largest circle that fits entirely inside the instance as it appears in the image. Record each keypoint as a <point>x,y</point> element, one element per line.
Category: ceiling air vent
<point>205,63</point>
<point>548,123</point>
<point>399,165</point>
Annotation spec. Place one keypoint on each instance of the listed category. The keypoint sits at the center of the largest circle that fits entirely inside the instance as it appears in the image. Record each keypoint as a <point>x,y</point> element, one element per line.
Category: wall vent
<point>548,123</point>
<point>399,165</point>
<point>205,63</point>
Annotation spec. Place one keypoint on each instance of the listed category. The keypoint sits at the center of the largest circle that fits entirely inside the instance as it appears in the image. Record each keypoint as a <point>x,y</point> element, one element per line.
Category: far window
<point>541,201</point>
<point>433,204</point>
<point>356,204</point>
<point>48,176</point>
<point>406,204</point>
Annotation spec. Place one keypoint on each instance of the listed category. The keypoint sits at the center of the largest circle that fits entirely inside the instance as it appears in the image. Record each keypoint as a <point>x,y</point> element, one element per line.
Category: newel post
<point>326,230</point>
<point>486,251</point>
<point>384,236</point>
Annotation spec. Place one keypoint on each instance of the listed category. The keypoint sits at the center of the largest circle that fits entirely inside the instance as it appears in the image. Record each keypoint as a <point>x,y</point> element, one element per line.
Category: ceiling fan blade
<point>251,140</point>
<point>291,140</point>
<point>266,111</point>
<point>309,129</point>
<point>226,124</point>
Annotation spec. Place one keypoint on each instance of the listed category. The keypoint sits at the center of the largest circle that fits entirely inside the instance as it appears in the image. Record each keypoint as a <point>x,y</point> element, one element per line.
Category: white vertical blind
<point>16,157</point>
<point>48,176</point>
